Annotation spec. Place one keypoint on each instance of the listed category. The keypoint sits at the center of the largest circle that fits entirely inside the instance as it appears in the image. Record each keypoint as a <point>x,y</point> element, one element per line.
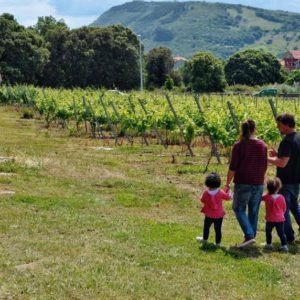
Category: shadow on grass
<point>210,247</point>
<point>233,251</point>
<point>240,253</point>
<point>251,251</point>
<point>295,248</point>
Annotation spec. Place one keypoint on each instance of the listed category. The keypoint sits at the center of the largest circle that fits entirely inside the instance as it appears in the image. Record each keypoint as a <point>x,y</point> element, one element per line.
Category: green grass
<point>87,223</point>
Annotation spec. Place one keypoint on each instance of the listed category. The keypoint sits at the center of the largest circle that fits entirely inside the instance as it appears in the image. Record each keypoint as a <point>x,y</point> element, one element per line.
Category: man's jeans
<point>290,193</point>
<point>247,196</point>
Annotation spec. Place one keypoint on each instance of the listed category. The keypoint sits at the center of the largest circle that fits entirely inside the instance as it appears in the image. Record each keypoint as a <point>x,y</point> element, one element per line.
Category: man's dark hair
<point>213,180</point>
<point>286,119</point>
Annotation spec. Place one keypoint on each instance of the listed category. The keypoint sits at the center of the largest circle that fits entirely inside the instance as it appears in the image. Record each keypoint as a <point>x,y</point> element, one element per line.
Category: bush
<point>27,113</point>
<point>169,84</point>
<point>293,77</point>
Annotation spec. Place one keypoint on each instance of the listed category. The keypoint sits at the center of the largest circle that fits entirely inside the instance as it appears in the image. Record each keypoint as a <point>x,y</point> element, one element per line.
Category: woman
<point>247,169</point>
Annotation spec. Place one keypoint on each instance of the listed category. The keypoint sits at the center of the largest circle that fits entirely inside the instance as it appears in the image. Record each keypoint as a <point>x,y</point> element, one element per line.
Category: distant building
<point>179,61</point>
<point>292,60</point>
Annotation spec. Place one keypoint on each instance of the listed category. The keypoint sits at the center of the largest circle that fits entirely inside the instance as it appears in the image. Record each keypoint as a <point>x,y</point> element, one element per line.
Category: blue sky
<point>77,13</point>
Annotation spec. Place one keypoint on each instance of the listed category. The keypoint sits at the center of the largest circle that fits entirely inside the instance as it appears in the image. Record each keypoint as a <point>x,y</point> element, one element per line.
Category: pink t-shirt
<point>213,206</point>
<point>275,207</point>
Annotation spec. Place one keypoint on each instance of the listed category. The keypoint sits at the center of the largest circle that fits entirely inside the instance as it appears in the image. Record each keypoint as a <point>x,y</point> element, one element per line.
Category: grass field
<point>91,221</point>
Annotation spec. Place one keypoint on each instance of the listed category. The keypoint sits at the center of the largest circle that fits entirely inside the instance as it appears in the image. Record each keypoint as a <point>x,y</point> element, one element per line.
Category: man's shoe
<point>200,239</point>
<point>284,249</point>
<point>246,242</point>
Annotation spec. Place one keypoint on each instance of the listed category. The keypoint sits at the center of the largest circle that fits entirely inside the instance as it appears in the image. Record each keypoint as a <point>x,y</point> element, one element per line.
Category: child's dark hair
<point>213,180</point>
<point>273,185</point>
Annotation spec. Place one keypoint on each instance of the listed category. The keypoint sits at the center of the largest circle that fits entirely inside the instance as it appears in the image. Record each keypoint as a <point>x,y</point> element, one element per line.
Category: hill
<point>188,27</point>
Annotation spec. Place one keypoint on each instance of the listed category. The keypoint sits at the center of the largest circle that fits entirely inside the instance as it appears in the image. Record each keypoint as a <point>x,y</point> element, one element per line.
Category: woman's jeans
<point>290,193</point>
<point>245,197</point>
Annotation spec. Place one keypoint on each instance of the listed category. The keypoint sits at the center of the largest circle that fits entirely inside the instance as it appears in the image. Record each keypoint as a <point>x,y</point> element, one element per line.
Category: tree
<point>78,57</point>
<point>54,74</point>
<point>204,73</point>
<point>101,57</point>
<point>293,77</point>
<point>159,65</point>
<point>55,34</point>
<point>169,84</point>
<point>116,58</point>
<point>50,54</point>
<point>22,52</point>
<point>253,67</point>
<point>45,24</point>
<point>176,77</point>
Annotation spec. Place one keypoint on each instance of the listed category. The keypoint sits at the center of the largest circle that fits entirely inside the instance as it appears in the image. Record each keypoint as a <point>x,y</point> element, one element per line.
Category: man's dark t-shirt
<point>290,147</point>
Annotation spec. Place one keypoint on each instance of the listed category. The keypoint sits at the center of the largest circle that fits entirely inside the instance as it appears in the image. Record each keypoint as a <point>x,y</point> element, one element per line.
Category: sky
<point>77,13</point>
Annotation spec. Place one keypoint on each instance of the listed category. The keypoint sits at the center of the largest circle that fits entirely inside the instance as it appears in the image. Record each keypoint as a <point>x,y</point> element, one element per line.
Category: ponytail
<point>247,129</point>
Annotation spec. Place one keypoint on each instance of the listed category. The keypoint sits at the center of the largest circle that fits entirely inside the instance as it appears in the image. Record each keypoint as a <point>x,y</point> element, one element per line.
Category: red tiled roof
<point>179,58</point>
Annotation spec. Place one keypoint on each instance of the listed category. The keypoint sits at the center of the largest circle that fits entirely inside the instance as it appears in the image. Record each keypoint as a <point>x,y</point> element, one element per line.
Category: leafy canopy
<point>159,65</point>
<point>253,67</point>
<point>204,73</point>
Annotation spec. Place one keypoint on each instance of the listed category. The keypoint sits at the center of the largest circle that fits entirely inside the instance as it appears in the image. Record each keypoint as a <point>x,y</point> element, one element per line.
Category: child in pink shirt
<point>213,210</point>
<point>275,209</point>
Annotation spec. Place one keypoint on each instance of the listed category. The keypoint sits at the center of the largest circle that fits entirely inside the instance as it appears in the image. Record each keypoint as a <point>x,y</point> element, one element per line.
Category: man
<point>287,161</point>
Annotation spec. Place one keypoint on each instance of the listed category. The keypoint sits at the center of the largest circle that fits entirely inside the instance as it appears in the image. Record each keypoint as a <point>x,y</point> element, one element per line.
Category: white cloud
<point>27,11</point>
<point>75,22</point>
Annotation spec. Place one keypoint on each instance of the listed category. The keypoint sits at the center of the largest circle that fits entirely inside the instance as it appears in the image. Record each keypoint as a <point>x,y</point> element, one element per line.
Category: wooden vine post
<point>76,115</point>
<point>235,122</point>
<point>274,111</point>
<point>134,112</point>
<point>85,112</point>
<point>108,119</point>
<point>214,149</point>
<point>130,139</point>
<point>155,125</point>
<point>179,125</point>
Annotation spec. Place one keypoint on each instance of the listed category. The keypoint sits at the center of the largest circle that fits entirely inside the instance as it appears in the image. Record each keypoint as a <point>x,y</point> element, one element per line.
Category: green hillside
<point>188,27</point>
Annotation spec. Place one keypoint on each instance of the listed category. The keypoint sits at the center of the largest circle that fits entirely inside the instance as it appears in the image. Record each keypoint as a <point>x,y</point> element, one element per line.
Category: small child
<point>275,209</point>
<point>213,207</point>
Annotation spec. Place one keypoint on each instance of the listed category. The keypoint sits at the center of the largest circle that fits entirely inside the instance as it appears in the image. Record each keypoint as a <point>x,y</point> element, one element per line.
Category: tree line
<point>50,54</point>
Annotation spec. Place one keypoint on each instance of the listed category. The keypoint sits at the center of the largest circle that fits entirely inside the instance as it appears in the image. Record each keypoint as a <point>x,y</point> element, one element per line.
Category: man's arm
<point>278,162</point>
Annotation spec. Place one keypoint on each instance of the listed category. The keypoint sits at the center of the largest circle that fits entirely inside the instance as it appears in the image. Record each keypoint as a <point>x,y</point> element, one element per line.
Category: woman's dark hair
<point>286,119</point>
<point>247,129</point>
<point>213,180</point>
<point>273,185</point>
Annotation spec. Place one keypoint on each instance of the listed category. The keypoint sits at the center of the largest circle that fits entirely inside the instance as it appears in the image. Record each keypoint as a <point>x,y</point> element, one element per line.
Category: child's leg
<point>207,223</point>
<point>218,229</point>
<point>269,228</point>
<point>280,231</point>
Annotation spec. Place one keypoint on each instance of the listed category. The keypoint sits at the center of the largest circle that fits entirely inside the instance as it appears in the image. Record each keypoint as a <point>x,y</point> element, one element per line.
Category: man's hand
<point>272,152</point>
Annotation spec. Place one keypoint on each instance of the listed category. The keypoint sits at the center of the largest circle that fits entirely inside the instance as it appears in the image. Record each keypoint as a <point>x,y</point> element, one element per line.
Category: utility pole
<point>141,62</point>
